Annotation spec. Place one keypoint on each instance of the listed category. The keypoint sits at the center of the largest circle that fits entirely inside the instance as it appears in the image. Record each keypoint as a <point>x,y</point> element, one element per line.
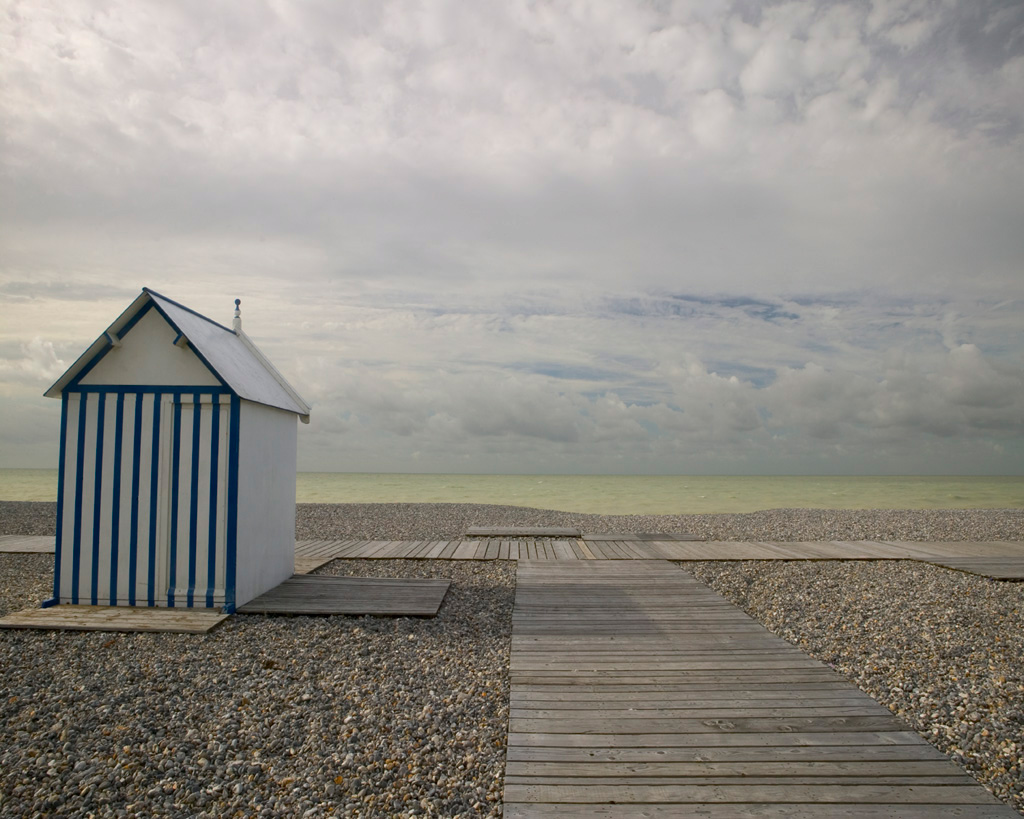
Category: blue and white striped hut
<point>177,465</point>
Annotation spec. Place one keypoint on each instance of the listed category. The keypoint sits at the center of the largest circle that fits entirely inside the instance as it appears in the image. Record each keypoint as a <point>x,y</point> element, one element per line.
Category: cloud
<point>719,235</point>
<point>636,382</point>
<point>32,364</point>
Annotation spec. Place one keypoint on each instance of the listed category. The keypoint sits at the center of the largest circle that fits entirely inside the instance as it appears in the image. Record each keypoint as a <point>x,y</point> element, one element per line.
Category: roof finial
<point>236,325</point>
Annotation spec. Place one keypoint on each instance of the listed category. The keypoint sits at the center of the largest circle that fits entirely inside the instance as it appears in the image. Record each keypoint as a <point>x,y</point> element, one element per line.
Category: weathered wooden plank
<point>970,793</point>
<point>728,711</point>
<point>519,810</point>
<point>345,548</point>
<point>708,686</point>
<point>116,618</point>
<point>348,548</point>
<point>307,547</point>
<point>305,565</point>
<point>435,550</point>
<point>711,739</point>
<point>575,550</point>
<point>315,548</point>
<point>406,549</point>
<point>659,703</point>
<point>611,547</point>
<point>652,680</point>
<point>723,664</point>
<point>584,547</point>
<point>785,785</point>
<point>637,550</point>
<point>562,550</point>
<point>521,531</point>
<point>394,550</point>
<point>320,594</point>
<point>701,769</point>
<point>449,550</point>
<point>842,752</point>
<point>1001,568</point>
<point>734,724</point>
<point>643,696</point>
<point>28,544</point>
<point>466,550</point>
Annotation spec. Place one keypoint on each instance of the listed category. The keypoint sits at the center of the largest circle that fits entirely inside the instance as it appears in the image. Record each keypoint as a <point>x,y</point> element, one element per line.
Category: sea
<point>623,494</point>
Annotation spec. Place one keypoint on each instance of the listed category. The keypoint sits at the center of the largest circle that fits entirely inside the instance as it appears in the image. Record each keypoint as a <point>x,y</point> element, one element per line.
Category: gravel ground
<point>438,521</point>
<point>399,717</point>
<point>274,717</point>
<point>941,649</point>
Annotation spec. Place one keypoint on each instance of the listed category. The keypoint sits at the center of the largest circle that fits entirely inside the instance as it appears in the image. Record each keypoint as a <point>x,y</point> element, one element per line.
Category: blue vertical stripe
<point>172,573</point>
<point>76,548</point>
<point>101,410</point>
<point>115,507</point>
<point>211,537</point>
<point>154,482</point>
<point>59,540</point>
<point>232,510</point>
<point>173,527</point>
<point>133,547</point>
<point>193,512</point>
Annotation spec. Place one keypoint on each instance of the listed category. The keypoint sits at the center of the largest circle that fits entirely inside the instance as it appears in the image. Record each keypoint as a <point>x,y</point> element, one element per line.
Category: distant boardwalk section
<point>1000,559</point>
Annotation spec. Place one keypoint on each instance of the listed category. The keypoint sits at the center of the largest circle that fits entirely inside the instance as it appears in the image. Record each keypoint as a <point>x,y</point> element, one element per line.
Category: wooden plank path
<point>1000,568</point>
<point>305,565</point>
<point>378,596</point>
<point>1000,559</point>
<point>1003,560</point>
<point>115,618</point>
<point>636,691</point>
<point>28,544</point>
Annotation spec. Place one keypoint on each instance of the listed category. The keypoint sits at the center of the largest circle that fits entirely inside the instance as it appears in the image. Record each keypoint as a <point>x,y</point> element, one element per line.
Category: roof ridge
<point>187,309</point>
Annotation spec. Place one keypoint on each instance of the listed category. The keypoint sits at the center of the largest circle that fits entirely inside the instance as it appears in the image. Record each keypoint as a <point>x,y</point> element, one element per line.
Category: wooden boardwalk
<point>636,691</point>
<point>115,618</point>
<point>28,544</point>
<point>326,594</point>
<point>1001,559</point>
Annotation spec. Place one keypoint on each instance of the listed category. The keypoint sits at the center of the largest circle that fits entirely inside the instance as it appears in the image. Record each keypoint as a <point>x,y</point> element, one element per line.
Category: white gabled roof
<point>230,354</point>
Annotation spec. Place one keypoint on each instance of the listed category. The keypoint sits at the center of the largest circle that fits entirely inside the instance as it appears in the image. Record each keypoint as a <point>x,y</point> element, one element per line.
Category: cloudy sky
<point>528,236</point>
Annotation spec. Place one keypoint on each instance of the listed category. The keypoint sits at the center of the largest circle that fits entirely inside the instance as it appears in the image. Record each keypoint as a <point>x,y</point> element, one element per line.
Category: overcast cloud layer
<point>727,237</point>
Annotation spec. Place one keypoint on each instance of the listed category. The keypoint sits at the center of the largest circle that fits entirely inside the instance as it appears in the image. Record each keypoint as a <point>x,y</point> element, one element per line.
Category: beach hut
<point>177,465</point>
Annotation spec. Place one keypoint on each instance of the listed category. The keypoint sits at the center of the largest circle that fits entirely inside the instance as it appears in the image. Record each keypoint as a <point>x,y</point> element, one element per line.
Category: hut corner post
<point>55,599</point>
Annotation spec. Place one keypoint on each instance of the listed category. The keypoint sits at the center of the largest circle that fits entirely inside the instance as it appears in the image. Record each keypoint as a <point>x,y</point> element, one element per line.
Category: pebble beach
<point>349,716</point>
<point>438,521</point>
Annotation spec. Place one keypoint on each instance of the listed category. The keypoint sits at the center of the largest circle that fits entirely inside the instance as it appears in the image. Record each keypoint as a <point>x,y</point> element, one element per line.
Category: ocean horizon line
<point>887,475</point>
<point>623,493</point>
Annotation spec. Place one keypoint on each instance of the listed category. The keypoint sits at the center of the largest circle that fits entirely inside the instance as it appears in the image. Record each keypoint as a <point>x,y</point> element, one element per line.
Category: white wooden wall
<point>266,499</point>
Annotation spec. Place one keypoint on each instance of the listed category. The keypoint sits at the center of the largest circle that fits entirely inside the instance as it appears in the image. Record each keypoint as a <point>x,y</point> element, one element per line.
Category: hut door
<point>195,519</point>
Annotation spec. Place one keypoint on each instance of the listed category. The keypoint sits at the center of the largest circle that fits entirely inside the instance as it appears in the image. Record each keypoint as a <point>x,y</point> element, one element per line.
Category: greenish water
<point>623,494</point>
